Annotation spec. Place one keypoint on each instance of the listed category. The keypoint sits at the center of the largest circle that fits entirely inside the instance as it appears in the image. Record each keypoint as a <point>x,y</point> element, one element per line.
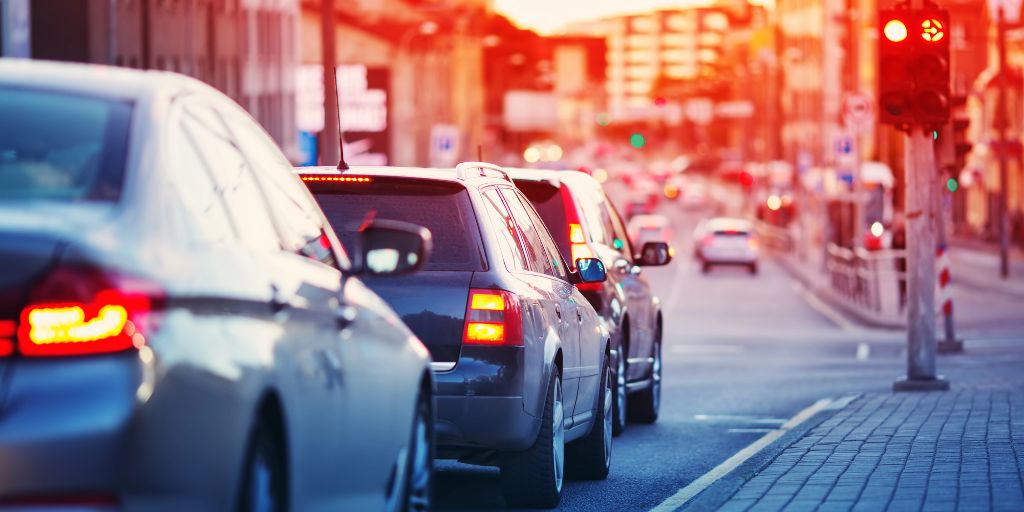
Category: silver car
<point>726,241</point>
<point>179,327</point>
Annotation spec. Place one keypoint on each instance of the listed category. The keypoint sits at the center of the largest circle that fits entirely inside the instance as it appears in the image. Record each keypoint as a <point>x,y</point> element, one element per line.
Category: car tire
<point>645,404</point>
<point>419,463</point>
<point>620,393</point>
<point>264,477</point>
<point>705,267</point>
<point>590,458</point>
<point>534,478</point>
<point>753,268</point>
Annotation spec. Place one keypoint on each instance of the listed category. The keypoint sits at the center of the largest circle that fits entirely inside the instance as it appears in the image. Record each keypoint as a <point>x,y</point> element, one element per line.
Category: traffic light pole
<point>921,277</point>
<point>1001,122</point>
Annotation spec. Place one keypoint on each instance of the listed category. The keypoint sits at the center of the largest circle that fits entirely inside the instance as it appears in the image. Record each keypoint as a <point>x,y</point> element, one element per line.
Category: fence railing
<point>873,280</point>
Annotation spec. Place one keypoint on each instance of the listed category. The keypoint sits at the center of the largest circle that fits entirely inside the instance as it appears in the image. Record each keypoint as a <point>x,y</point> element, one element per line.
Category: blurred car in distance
<point>584,223</point>
<point>179,327</point>
<point>644,229</point>
<point>511,336</point>
<point>694,195</point>
<point>727,241</point>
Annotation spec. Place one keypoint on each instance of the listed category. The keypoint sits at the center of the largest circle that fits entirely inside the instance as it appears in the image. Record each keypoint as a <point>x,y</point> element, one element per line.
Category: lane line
<point>697,486</point>
<point>750,430</point>
<point>827,311</point>
<point>677,283</point>
<point>739,419</point>
<point>863,351</point>
<point>707,349</point>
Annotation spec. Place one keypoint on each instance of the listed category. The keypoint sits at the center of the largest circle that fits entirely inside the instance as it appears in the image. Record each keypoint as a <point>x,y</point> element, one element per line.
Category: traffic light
<point>913,79</point>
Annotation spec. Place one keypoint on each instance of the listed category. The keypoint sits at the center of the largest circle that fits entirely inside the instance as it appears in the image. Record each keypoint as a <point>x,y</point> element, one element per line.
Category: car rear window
<point>60,146</point>
<point>442,208</point>
<point>548,202</point>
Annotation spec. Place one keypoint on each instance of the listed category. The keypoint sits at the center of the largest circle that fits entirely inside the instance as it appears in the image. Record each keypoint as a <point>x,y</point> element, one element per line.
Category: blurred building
<point>246,48</point>
<point>540,88</point>
<point>411,79</point>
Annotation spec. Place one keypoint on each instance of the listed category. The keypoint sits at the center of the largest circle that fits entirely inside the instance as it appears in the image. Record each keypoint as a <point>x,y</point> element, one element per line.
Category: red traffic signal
<point>913,53</point>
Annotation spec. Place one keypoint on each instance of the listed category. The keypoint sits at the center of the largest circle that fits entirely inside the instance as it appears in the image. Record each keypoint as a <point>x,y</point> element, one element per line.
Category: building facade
<point>245,48</point>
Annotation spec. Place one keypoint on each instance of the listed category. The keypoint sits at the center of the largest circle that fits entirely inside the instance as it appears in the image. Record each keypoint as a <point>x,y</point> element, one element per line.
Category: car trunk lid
<point>433,305</point>
<point>24,258</point>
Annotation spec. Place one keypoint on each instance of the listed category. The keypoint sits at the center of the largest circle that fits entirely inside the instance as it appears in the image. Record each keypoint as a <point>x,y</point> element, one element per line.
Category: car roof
<point>420,173</point>
<point>89,79</point>
<point>728,224</point>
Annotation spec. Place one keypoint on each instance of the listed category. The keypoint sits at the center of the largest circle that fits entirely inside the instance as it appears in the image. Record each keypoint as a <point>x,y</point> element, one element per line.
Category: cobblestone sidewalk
<point>957,450</point>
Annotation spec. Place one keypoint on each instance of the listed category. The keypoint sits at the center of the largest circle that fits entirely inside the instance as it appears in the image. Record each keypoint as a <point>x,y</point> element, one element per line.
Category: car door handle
<point>278,302</point>
<point>344,315</point>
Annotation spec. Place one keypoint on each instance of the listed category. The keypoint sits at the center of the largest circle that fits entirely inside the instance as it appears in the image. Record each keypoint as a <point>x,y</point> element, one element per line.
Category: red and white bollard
<point>944,302</point>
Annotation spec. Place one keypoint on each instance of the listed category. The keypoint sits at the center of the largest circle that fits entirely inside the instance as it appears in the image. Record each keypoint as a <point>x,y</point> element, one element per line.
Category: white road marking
<point>687,493</point>
<point>863,351</point>
<point>750,430</point>
<point>707,349</point>
<point>677,283</point>
<point>739,419</point>
<point>826,310</point>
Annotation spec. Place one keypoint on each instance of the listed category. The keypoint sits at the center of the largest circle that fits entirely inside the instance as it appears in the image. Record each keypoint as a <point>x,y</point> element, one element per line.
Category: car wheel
<point>645,404</point>
<point>264,481</point>
<point>533,478</point>
<point>591,457</point>
<point>621,394</point>
<point>420,461</point>
<point>753,268</point>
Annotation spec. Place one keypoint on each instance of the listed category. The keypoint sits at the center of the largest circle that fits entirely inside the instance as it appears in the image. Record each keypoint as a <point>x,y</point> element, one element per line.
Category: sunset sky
<point>548,15</point>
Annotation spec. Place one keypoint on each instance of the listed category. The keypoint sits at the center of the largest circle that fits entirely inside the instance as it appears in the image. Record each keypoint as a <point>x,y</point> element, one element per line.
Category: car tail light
<point>8,329</point>
<point>709,240</point>
<point>493,317</point>
<point>753,243</point>
<point>337,179</point>
<point>83,310</point>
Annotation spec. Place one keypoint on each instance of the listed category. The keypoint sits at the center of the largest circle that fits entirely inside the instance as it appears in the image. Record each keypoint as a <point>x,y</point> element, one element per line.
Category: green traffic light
<point>935,135</point>
<point>637,140</point>
<point>952,184</point>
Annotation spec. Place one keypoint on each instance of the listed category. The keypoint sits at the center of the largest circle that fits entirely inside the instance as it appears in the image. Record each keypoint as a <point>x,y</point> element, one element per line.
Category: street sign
<point>444,145</point>
<point>859,112</point>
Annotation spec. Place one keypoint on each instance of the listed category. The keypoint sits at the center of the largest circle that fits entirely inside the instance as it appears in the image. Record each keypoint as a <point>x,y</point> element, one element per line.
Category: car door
<point>303,369</point>
<point>638,298</point>
<point>590,342</point>
<point>357,342</point>
<point>557,295</point>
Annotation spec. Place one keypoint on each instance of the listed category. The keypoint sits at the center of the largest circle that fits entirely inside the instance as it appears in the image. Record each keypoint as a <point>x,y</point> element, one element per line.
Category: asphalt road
<point>742,355</point>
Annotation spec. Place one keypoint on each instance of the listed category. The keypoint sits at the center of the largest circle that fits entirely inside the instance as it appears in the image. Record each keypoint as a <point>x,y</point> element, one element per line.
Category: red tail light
<point>8,328</point>
<point>493,317</point>
<point>709,240</point>
<point>753,243</point>
<point>82,310</point>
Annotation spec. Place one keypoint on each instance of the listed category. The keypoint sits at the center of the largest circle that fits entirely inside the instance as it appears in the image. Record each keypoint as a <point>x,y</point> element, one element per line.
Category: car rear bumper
<point>480,403</point>
<point>727,257</point>
<point>107,433</point>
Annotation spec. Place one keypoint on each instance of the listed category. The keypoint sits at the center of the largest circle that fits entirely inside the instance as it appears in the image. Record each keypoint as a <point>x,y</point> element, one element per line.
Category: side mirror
<point>389,247</point>
<point>655,254</point>
<point>590,270</point>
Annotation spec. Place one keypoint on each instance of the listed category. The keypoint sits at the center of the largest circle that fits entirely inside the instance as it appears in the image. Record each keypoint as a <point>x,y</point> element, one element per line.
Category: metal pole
<point>1001,123</point>
<point>921,276</point>
<point>330,142</point>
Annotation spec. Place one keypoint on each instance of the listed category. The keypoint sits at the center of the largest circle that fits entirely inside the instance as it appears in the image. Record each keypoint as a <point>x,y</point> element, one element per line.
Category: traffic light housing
<point>913,79</point>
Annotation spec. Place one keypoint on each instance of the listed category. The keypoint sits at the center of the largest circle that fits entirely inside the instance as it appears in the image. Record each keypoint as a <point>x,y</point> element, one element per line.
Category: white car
<point>727,241</point>
<point>650,228</point>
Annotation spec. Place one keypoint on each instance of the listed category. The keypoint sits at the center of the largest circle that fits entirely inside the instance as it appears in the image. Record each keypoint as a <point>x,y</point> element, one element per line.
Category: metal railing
<point>873,280</point>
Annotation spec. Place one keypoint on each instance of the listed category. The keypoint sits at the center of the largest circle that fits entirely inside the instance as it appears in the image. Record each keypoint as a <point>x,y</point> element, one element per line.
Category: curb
<point>719,493</point>
<point>866,318</point>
